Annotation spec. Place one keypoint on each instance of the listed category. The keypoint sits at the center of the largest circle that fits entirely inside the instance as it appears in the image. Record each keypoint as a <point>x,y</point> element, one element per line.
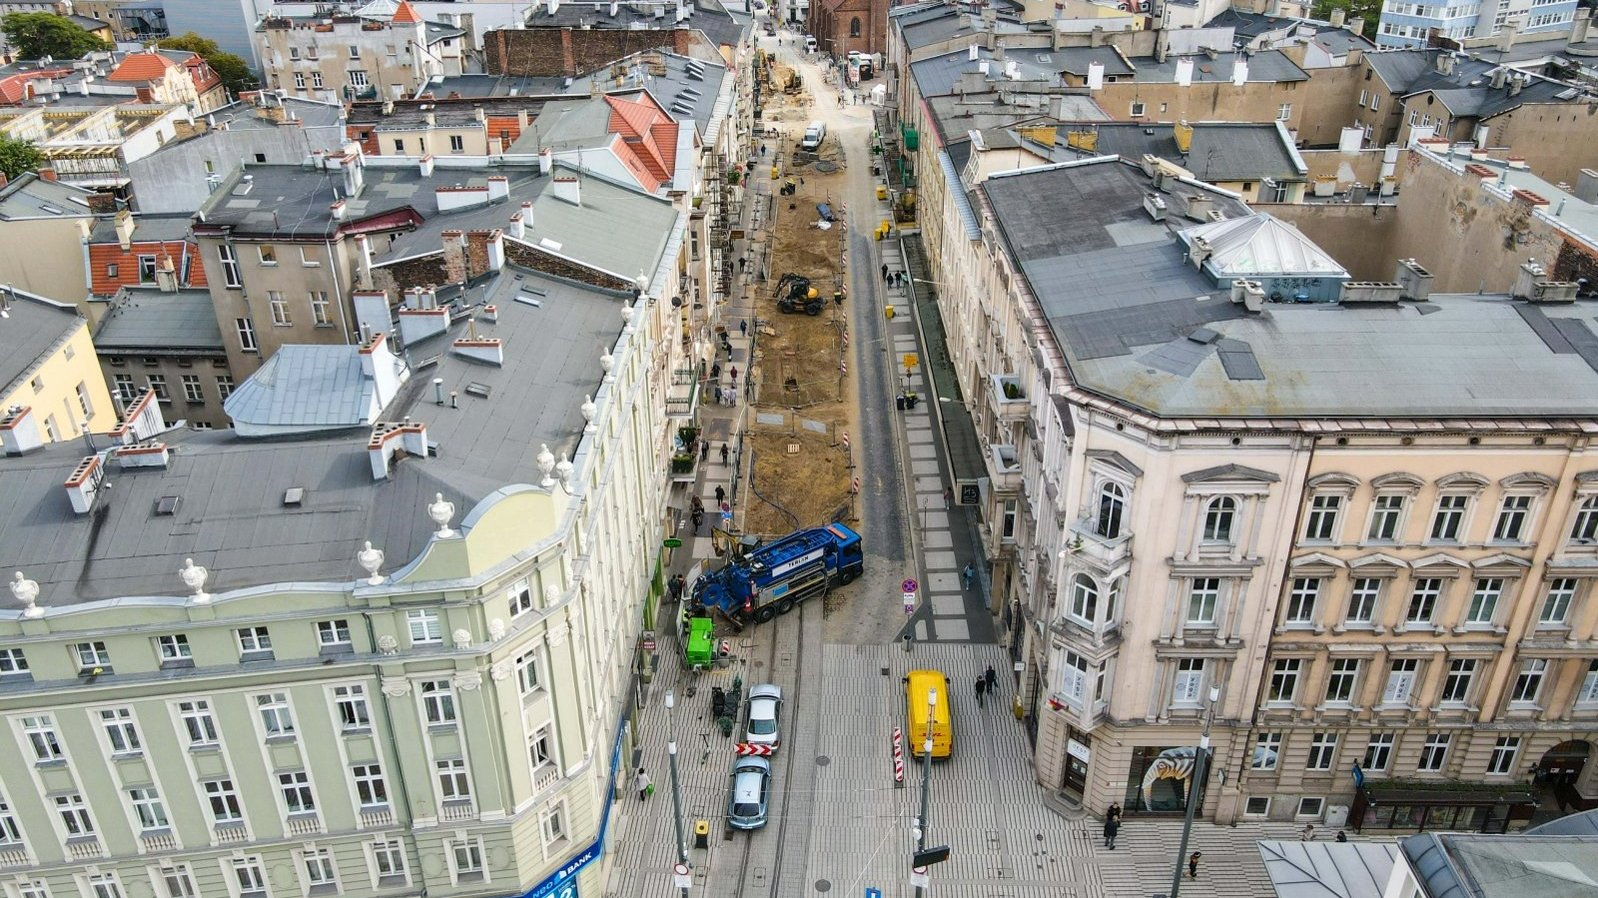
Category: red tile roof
<point>141,67</point>
<point>103,255</point>
<point>648,132</point>
<point>404,14</point>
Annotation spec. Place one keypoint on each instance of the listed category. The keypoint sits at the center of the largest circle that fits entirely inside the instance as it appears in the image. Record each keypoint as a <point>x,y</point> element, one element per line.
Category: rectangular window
<point>1505,751</point>
<point>1257,806</point>
<point>399,145</point>
<point>1189,684</point>
<point>276,719</point>
<point>13,663</point>
<point>468,857</point>
<point>333,634</point>
<point>224,386</point>
<point>1449,518</point>
<point>457,143</point>
<point>1529,682</point>
<point>178,882</point>
<point>193,394</point>
<point>1434,753</point>
<point>541,747</point>
<point>83,398</point>
<point>230,265</point>
<point>452,783</point>
<point>308,257</point>
<point>1362,600</point>
<point>1362,98</point>
<point>316,80</point>
<point>146,269</point>
<point>105,885</point>
<point>147,808</point>
<point>255,643</point>
<point>198,723</point>
<point>553,824</point>
<point>1400,681</point>
<point>1284,680</point>
<point>320,309</point>
<point>388,857</point>
<point>424,627</point>
<point>296,789</point>
<point>246,334</point>
<point>1321,522</point>
<point>350,703</point>
<point>223,801</point>
<point>438,701</point>
<point>1137,110</point>
<point>1512,518</point>
<point>1301,598</point>
<point>120,730</point>
<point>1202,599</point>
<point>527,671</point>
<point>1322,751</point>
<point>1589,686</point>
<point>247,873</point>
<point>1340,684</point>
<point>1378,751</point>
<point>319,867</point>
<point>125,388</point>
<point>520,598</point>
<point>33,888</point>
<point>280,309</point>
<point>299,80</point>
<point>1423,600</point>
<point>1074,678</point>
<point>74,815</point>
<point>1387,512</point>
<point>1284,112</point>
<point>1457,685</point>
<point>370,789</point>
<point>1557,601</point>
<point>1484,601</point>
<point>157,383</point>
<point>268,254</point>
<point>1267,751</point>
<point>1310,806</point>
<point>358,79</point>
<point>10,833</point>
<point>91,655</point>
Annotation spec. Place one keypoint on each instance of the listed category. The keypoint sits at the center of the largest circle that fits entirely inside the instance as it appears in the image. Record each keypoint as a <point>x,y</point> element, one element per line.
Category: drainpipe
<point>403,798</point>
<point>338,290</point>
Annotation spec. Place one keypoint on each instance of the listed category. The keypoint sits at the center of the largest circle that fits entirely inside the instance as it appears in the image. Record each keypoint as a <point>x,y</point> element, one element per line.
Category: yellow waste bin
<point>882,191</point>
<point>701,833</point>
<point>773,173</point>
<point>888,311</point>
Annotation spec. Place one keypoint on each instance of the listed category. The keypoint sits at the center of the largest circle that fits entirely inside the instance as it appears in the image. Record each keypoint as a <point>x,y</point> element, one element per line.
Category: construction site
<point>800,471</point>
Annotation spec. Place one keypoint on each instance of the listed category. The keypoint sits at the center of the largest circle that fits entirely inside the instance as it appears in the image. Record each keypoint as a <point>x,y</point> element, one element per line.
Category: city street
<point>839,823</point>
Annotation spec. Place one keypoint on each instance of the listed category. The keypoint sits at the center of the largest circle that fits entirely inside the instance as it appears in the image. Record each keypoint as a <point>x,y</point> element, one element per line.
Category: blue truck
<point>768,580</point>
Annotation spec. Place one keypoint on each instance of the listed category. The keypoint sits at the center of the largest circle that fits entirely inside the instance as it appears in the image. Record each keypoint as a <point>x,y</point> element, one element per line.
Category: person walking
<point>1113,812</point>
<point>721,495</point>
<point>743,326</point>
<point>1308,835</point>
<point>1112,825</point>
<point>970,574</point>
<point>723,461</point>
<point>993,680</point>
<point>715,371</point>
<point>733,373</point>
<point>698,517</point>
<point>1192,864</point>
<point>1342,836</point>
<point>981,686</point>
<point>643,785</point>
<point>885,278</point>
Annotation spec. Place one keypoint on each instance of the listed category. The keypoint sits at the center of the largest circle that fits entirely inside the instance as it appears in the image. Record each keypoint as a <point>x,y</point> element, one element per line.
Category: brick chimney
<point>455,265</point>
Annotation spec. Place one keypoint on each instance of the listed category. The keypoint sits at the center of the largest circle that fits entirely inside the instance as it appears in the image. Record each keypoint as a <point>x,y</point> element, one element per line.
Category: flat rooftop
<point>231,517</point>
<point>144,318</point>
<point>1503,866</point>
<point>1138,324</point>
<point>1218,151</point>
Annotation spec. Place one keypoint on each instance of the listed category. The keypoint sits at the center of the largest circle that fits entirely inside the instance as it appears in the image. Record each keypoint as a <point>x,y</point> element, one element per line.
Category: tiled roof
<point>405,14</point>
<point>141,67</point>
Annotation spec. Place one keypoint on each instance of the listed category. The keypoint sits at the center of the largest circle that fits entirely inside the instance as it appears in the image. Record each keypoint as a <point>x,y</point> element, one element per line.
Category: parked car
<point>765,709</point>
<point>751,789</point>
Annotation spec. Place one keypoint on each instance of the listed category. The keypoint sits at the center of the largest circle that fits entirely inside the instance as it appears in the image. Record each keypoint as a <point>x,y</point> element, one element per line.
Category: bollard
<point>905,640</point>
<point>702,834</point>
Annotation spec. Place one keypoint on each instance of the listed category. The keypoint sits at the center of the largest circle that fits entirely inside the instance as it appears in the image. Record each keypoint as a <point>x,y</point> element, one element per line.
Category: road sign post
<point>909,587</point>
<point>680,876</point>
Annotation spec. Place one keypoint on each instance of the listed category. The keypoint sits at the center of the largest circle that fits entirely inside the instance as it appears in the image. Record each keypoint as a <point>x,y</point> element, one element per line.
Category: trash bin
<point>898,402</point>
<point>702,834</point>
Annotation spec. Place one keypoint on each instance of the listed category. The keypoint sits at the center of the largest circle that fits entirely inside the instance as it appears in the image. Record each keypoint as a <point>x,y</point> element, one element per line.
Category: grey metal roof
<point>1250,25</point>
<point>1467,91</point>
<point>32,326</point>
<point>144,318</point>
<point>707,16</point>
<point>31,196</point>
<point>305,386</point>
<point>1503,866</point>
<point>146,228</point>
<point>940,75</point>
<point>1116,285</point>
<point>504,85</point>
<point>1581,823</point>
<point>232,519</point>
<point>1264,65</point>
<point>962,205</point>
<point>1220,151</point>
<point>1076,60</point>
<point>1328,869</point>
<point>1338,41</point>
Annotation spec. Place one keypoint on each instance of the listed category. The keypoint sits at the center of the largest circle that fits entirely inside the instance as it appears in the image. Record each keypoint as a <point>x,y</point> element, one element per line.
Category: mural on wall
<point>1161,779</point>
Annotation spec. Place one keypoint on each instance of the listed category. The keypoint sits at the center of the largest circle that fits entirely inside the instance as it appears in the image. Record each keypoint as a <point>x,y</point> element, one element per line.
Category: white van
<point>815,132</point>
<point>810,44</point>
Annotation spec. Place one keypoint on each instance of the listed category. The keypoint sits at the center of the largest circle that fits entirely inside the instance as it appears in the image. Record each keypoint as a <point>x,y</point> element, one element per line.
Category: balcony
<point>14,856</point>
<point>84,849</point>
<point>158,840</point>
<point>376,817</point>
<point>1076,634</point>
<point>1105,553</point>
<point>1009,400</point>
<point>304,825</point>
<point>1004,467</point>
<point>682,396</point>
<point>455,811</point>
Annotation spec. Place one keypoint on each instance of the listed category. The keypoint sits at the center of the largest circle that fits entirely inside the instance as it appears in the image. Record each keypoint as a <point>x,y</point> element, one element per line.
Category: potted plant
<point>682,463</point>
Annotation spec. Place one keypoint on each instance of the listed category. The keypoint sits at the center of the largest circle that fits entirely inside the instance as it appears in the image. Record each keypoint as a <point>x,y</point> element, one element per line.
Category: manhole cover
<point>825,166</point>
<point>822,760</point>
<point>823,885</point>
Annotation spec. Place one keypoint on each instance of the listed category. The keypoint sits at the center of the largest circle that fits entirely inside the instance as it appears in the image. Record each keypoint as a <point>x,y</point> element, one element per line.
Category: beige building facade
<point>344,57</point>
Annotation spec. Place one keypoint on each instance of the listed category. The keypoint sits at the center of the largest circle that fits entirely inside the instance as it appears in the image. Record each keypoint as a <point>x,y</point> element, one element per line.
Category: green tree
<point>1369,10</point>
<point>38,34</point>
<point>233,70</point>
<point>18,156</point>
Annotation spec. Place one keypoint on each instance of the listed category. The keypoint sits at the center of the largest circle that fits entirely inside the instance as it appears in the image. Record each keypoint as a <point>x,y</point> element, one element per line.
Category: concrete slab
<point>921,636</point>
<point>950,603</point>
<point>917,421</point>
<point>942,561</point>
<point>952,628</point>
<point>923,451</point>
<point>930,485</point>
<point>924,466</point>
<point>920,435</point>
<point>938,539</point>
<point>949,582</point>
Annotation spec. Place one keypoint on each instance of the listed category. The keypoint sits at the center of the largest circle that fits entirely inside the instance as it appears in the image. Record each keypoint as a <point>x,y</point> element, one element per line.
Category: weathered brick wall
<point>567,51</point>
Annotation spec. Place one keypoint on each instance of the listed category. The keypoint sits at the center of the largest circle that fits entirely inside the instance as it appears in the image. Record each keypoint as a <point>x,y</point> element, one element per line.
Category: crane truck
<point>768,580</point>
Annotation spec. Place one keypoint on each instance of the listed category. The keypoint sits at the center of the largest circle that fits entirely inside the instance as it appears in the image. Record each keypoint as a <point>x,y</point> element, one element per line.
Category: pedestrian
<point>948,497</point>
<point>885,278</point>
<point>1192,864</point>
<point>644,786</point>
<point>981,686</point>
<point>970,573</point>
<point>698,517</point>
<point>733,372</point>
<point>1113,813</point>
<point>695,505</point>
<point>1308,835</point>
<point>993,679</point>
<point>704,450</point>
<point>718,395</point>
<point>721,494</point>
<point>742,261</point>
<point>743,326</point>
<point>723,461</point>
<point>1112,825</point>
<point>1342,836</point>
<point>715,371</point>
<point>762,149</point>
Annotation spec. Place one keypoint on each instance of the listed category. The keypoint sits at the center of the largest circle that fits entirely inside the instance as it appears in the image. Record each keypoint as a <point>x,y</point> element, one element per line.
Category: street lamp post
<point>676,788</point>
<point>1193,796</point>
<point>926,778</point>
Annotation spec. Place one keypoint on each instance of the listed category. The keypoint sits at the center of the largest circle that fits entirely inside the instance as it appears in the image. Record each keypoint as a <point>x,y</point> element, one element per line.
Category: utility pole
<point>676,787</point>
<point>926,778</point>
<point>1194,798</point>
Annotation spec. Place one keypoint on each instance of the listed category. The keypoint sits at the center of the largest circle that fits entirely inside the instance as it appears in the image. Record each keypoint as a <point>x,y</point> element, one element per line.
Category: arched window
<point>1084,597</point>
<point>1219,516</point>
<point>1112,509</point>
<point>1586,529</point>
<point>854,27</point>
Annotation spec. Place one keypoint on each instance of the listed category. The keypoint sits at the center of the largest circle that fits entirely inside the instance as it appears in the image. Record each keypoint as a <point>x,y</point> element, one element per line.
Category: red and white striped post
<point>854,486</point>
<point>898,758</point>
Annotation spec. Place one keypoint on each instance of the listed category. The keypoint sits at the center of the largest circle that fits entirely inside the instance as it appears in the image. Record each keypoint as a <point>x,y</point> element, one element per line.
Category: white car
<point>765,707</point>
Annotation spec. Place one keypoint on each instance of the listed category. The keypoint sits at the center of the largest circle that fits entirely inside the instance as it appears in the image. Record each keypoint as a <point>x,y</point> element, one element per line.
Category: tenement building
<point>1346,528</point>
<point>378,639</point>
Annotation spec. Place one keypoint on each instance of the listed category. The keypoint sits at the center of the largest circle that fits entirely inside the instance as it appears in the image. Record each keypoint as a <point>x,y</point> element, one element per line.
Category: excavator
<point>795,295</point>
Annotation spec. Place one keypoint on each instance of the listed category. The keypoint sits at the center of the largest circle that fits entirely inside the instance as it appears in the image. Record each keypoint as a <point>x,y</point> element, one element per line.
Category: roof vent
<point>167,506</point>
<point>294,497</point>
<point>480,390</point>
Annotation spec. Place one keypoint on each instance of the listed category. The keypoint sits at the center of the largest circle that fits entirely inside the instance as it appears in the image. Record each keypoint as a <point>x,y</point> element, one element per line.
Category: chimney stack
<point>569,189</point>
<point>1184,72</point>
<point>1338,16</point>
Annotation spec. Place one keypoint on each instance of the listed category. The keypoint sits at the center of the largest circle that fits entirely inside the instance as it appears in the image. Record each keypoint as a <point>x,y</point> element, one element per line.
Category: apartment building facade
<point>344,56</point>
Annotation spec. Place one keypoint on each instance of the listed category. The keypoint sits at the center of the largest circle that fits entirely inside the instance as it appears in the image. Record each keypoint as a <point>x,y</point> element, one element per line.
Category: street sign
<point>649,644</point>
<point>909,603</point>
<point>918,877</point>
<point>911,360</point>
<point>745,748</point>
<point>671,542</point>
<point>926,857</point>
<point>909,585</point>
<point>873,892</point>
<point>681,877</point>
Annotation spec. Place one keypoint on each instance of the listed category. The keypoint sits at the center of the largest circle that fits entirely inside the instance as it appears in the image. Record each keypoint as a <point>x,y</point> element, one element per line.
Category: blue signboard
<point>873,892</point>
<point>563,882</point>
<point>1359,776</point>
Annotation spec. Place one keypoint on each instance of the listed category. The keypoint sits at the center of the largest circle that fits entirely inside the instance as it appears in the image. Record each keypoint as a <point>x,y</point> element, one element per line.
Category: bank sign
<point>563,882</point>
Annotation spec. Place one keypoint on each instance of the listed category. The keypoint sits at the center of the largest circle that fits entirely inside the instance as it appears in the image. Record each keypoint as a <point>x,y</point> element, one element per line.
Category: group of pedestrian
<point>987,684</point>
<point>1112,825</point>
<point>677,585</point>
<point>894,278</point>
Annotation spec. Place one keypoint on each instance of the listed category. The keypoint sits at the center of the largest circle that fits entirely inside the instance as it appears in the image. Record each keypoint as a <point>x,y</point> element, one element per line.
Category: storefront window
<point>1159,779</point>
